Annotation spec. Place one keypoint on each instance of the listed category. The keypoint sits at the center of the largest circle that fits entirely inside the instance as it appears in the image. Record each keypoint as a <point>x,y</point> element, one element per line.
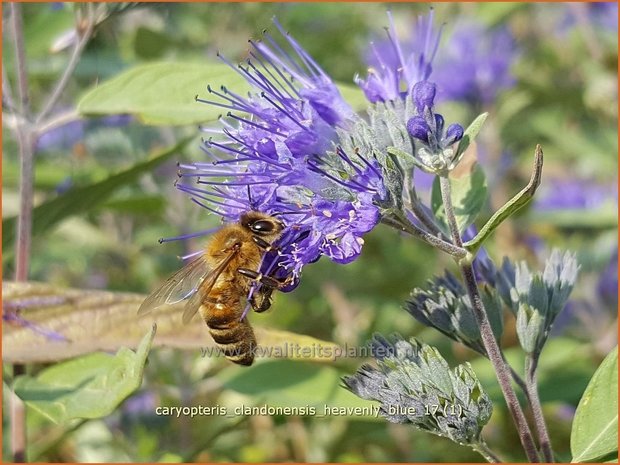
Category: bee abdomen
<point>238,343</point>
<point>234,337</point>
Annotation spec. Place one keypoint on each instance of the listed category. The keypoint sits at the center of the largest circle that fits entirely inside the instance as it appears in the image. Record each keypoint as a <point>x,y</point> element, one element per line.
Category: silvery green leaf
<point>505,283</point>
<point>544,294</point>
<point>559,276</point>
<point>393,178</point>
<point>468,136</point>
<point>465,322</point>
<point>415,385</point>
<point>537,296</point>
<point>493,305</point>
<point>530,325</point>
<point>445,306</point>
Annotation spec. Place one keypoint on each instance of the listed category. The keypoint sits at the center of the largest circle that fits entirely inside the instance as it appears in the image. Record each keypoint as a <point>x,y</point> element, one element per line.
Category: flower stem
<point>24,222</point>
<point>25,144</point>
<point>484,450</point>
<point>399,221</point>
<point>491,346</point>
<point>531,364</point>
<point>84,33</point>
<point>446,196</point>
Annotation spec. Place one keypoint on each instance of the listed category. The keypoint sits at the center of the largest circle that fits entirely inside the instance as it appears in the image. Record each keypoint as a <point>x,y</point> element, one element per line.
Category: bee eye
<point>262,226</point>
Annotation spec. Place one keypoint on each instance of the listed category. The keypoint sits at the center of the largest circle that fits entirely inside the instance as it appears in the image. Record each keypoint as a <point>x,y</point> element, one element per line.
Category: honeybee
<point>217,283</point>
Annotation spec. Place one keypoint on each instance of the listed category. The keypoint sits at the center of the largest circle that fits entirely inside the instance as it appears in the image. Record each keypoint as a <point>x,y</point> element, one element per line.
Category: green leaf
<point>518,201</point>
<point>163,93</point>
<point>470,134</point>
<point>150,44</point>
<point>87,387</point>
<point>82,199</point>
<point>152,205</point>
<point>595,428</point>
<point>284,383</point>
<point>469,195</point>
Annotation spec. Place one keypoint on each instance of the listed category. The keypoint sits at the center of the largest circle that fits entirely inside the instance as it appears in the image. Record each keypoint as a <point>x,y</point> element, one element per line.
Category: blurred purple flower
<point>141,403</point>
<point>395,67</point>
<point>66,136</point>
<point>604,14</point>
<point>558,194</point>
<point>474,65</point>
<point>62,137</point>
<point>607,286</point>
<point>600,15</point>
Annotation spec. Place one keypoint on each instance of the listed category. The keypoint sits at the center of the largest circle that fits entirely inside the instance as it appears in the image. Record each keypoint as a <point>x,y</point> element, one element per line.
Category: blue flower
<point>474,65</point>
<point>394,68</point>
<point>278,151</point>
<point>427,127</point>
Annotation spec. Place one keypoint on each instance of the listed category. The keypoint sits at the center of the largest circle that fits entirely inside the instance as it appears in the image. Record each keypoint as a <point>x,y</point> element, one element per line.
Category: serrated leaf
<point>469,195</point>
<point>82,199</point>
<point>163,93</point>
<point>64,323</point>
<point>595,428</point>
<point>88,387</point>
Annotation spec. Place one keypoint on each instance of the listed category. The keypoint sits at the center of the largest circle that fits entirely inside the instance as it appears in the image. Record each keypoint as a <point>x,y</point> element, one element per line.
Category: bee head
<point>262,225</point>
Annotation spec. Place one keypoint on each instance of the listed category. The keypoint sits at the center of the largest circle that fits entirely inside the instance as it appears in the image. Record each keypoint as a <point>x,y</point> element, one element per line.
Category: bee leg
<point>259,277</point>
<point>263,244</point>
<point>261,301</point>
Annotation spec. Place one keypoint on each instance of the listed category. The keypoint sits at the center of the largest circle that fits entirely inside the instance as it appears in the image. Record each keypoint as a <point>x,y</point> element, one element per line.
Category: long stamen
<point>351,184</point>
<point>305,57</point>
<point>367,163</point>
<point>272,66</point>
<point>284,112</point>
<point>206,195</point>
<point>291,66</point>
<point>213,183</point>
<point>251,123</point>
<point>262,84</point>
<point>188,236</point>
<point>217,212</point>
<point>346,158</point>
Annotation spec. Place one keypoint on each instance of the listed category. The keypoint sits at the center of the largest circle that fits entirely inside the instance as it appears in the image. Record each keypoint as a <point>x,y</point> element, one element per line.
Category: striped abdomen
<point>234,337</point>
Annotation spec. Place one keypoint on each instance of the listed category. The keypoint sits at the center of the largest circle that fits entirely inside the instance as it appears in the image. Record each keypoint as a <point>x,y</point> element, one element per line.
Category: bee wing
<point>193,304</point>
<point>180,286</point>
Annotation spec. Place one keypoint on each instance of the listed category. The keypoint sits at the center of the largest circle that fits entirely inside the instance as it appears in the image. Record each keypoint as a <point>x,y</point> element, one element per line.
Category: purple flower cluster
<point>427,127</point>
<point>294,149</point>
<point>474,65</point>
<point>278,151</point>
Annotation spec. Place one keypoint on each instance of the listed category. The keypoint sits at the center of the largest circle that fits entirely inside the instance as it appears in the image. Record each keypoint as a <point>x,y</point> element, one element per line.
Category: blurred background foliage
<point>563,95</point>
